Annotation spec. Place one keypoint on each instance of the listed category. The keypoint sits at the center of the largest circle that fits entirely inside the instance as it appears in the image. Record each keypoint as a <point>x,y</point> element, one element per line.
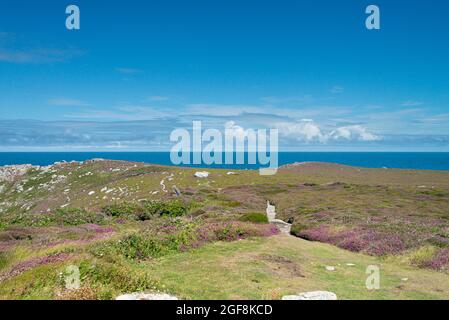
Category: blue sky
<point>139,69</point>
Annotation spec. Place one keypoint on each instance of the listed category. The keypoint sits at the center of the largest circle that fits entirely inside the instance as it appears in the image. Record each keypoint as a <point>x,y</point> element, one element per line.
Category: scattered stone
<point>201,174</point>
<point>313,295</point>
<point>350,264</point>
<point>164,188</point>
<point>9,173</point>
<point>146,296</point>
<point>404,279</point>
<point>230,173</point>
<point>330,268</point>
<point>91,193</point>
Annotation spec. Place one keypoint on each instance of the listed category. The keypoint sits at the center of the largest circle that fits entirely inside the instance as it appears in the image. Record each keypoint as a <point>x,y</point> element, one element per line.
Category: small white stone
<point>91,193</point>
<point>201,174</point>
<point>313,295</point>
<point>146,296</point>
<point>330,268</point>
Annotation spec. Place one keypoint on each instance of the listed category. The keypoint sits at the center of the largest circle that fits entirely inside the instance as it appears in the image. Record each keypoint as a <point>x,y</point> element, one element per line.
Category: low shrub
<point>147,210</point>
<point>75,217</point>
<point>125,209</point>
<point>255,217</point>
<point>60,217</point>
<point>297,228</point>
<point>173,208</point>
<point>4,260</point>
<point>231,231</point>
<point>420,257</point>
<point>231,204</point>
<point>139,246</point>
<point>178,236</point>
<point>107,276</point>
<point>430,257</point>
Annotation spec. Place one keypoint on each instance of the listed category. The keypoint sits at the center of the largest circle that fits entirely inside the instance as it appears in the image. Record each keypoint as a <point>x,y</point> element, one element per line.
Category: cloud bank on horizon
<point>310,70</point>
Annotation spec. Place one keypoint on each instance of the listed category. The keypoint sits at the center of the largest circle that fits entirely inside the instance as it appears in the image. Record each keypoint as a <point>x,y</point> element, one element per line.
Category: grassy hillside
<point>133,227</point>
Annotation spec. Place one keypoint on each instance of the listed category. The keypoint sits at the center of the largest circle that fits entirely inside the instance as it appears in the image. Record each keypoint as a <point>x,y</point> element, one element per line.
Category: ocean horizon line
<point>393,160</point>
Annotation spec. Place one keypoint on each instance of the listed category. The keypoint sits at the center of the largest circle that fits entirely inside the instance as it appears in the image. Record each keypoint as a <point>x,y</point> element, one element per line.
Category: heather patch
<point>440,261</point>
<point>430,257</point>
<point>52,236</point>
<point>356,240</point>
<point>130,226</point>
<point>33,263</point>
<point>59,217</point>
<point>178,235</point>
<point>375,219</point>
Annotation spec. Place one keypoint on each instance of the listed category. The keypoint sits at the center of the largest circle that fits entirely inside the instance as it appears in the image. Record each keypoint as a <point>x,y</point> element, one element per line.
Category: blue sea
<point>400,160</point>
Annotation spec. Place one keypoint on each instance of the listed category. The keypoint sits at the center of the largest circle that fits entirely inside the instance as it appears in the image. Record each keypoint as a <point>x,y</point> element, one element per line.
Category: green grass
<point>256,217</point>
<point>276,266</point>
<point>137,256</point>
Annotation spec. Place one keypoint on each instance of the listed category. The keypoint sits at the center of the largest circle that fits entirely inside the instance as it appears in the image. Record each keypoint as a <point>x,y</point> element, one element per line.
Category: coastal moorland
<point>204,233</point>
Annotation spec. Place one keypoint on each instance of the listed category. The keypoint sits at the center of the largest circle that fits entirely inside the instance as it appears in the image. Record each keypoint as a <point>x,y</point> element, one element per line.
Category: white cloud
<point>68,102</point>
<point>309,131</point>
<point>128,71</point>
<point>281,100</point>
<point>158,98</point>
<point>124,113</point>
<point>226,110</point>
<point>302,131</point>
<point>337,89</point>
<point>222,110</point>
<point>14,49</point>
<point>38,55</point>
<point>353,133</point>
<point>411,103</point>
<point>435,119</point>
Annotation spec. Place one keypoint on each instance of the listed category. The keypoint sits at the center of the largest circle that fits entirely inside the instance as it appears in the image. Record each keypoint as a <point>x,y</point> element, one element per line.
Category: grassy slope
<point>258,268</point>
<point>271,267</point>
